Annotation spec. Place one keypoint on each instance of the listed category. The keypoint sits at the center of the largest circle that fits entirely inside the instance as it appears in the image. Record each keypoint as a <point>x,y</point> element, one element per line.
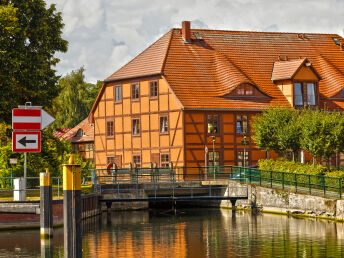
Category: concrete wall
<point>278,201</point>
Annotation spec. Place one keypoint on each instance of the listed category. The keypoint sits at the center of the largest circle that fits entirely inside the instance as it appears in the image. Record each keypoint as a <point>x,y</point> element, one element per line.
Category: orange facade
<point>137,130</point>
<point>193,91</point>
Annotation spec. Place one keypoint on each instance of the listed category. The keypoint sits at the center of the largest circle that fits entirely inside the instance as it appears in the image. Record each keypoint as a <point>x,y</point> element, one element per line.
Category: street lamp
<point>213,137</point>
<point>245,133</point>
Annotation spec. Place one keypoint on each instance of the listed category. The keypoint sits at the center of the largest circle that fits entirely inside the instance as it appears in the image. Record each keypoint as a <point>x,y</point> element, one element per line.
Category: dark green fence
<point>301,183</point>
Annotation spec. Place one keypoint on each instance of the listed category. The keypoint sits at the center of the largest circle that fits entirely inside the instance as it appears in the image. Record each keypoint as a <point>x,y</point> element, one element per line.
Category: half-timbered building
<point>189,98</point>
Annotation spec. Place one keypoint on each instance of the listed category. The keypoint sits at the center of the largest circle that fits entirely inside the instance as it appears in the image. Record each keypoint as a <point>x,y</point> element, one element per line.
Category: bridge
<point>168,185</point>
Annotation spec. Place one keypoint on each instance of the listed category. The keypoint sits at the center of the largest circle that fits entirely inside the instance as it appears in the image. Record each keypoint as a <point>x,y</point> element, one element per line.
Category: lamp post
<point>213,137</point>
<point>245,149</point>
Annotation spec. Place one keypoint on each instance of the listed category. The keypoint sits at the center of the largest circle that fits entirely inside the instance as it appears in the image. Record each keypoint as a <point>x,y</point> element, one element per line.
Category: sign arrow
<point>23,141</point>
<point>46,119</point>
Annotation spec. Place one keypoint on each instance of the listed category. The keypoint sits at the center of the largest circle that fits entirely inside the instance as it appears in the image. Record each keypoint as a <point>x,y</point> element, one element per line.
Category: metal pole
<point>214,154</point>
<point>25,173</point>
<point>244,149</point>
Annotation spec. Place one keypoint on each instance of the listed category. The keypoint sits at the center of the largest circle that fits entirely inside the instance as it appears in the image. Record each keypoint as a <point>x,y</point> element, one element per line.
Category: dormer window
<point>298,99</point>
<point>80,133</point>
<point>311,94</point>
<point>304,89</point>
<point>244,89</point>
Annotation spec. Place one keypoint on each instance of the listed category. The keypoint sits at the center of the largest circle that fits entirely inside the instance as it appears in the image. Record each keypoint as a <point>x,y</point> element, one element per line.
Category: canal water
<point>190,233</point>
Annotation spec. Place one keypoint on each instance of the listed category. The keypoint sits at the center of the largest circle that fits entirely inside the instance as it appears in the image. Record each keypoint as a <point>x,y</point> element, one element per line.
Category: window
<point>342,92</point>
<point>213,124</point>
<point>88,147</point>
<point>75,147</point>
<point>311,94</point>
<point>212,160</point>
<point>109,128</point>
<point>153,89</point>
<point>136,126</point>
<point>80,133</point>
<point>91,147</point>
<point>165,160</point>
<point>242,157</point>
<point>244,89</point>
<point>163,124</point>
<point>137,160</point>
<point>135,91</point>
<point>118,93</point>
<point>110,160</point>
<point>241,124</point>
<point>298,100</point>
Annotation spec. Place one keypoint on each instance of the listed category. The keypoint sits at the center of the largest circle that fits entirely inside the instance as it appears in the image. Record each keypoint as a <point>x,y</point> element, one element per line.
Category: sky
<point>104,35</point>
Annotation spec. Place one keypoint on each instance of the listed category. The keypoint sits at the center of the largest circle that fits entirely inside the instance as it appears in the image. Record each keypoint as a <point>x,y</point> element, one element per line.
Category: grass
<point>34,194</point>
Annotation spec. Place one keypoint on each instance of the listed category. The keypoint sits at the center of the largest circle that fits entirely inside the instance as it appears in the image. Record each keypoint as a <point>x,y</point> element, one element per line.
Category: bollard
<point>46,211</point>
<point>47,248</point>
<point>72,209</point>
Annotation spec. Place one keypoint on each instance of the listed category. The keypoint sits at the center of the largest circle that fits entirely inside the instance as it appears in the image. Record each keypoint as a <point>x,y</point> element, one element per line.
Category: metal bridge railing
<point>301,183</point>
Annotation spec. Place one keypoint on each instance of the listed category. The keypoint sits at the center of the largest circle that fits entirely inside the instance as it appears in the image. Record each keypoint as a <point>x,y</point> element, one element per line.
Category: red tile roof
<point>149,62</point>
<point>70,135</point>
<point>284,70</point>
<point>59,132</point>
<point>200,73</point>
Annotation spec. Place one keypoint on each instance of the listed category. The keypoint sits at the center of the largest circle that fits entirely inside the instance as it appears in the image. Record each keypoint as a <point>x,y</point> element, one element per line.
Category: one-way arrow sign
<point>23,141</point>
<point>26,141</point>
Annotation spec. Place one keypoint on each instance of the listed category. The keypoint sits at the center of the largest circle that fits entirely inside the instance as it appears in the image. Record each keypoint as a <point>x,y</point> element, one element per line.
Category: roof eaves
<point>132,77</point>
<point>90,116</point>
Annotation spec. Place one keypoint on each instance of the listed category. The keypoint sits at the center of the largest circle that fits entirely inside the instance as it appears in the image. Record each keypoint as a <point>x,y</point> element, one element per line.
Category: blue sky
<point>103,35</point>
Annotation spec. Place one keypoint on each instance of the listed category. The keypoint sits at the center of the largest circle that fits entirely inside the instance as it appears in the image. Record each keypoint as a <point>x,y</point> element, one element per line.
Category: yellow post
<point>46,211</point>
<point>72,209</point>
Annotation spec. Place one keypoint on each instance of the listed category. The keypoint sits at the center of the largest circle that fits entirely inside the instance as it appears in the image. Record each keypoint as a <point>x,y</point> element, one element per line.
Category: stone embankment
<point>269,200</point>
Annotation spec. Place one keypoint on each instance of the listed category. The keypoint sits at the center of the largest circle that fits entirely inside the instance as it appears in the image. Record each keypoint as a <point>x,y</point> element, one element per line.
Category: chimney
<point>186,32</point>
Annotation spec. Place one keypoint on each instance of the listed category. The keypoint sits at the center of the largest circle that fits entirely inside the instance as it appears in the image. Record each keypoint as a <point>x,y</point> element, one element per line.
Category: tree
<point>75,99</point>
<point>322,134</point>
<point>277,129</point>
<point>30,37</point>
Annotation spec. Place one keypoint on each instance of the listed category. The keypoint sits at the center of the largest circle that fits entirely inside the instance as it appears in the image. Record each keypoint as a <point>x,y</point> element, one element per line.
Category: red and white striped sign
<point>26,119</point>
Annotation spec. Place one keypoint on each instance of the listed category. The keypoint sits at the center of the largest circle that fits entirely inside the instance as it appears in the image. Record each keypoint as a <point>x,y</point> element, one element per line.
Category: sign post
<point>27,123</point>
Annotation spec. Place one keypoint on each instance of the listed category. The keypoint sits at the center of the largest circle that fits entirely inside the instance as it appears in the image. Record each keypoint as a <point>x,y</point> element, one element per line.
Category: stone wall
<point>278,201</point>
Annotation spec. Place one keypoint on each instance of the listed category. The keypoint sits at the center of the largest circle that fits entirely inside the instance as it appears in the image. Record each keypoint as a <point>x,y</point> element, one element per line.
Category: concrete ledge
<point>19,208</point>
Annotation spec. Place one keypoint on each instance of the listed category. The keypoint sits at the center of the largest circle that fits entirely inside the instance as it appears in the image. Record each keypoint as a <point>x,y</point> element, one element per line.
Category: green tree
<point>322,133</point>
<point>30,37</point>
<point>75,100</point>
<point>277,129</point>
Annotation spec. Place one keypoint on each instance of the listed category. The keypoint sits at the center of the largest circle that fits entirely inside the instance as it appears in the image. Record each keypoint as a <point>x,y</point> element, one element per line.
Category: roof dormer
<point>297,80</point>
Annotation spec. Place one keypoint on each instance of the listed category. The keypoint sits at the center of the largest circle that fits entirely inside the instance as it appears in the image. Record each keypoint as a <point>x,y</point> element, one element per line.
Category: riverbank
<point>268,200</point>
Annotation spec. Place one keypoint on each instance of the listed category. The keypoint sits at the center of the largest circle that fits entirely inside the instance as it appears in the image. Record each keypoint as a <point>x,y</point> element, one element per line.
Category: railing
<point>32,187</point>
<point>301,183</point>
<point>164,184</point>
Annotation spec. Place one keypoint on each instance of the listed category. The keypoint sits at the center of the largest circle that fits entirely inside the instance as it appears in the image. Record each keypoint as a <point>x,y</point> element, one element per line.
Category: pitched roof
<point>70,135</point>
<point>284,70</point>
<point>149,62</point>
<point>59,132</point>
<point>200,73</point>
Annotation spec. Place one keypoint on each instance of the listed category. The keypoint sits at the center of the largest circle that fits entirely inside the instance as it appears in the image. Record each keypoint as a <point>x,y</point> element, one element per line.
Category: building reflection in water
<point>214,233</point>
<point>191,233</point>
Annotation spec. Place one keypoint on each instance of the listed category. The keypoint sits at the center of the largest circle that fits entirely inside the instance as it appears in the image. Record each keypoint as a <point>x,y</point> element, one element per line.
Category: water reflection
<point>191,233</point>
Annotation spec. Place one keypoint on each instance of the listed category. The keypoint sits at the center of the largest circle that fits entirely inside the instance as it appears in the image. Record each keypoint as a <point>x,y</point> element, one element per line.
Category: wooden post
<point>72,209</point>
<point>46,211</point>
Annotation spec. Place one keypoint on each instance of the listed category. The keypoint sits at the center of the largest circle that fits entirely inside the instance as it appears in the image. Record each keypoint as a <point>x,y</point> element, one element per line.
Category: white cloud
<point>104,34</point>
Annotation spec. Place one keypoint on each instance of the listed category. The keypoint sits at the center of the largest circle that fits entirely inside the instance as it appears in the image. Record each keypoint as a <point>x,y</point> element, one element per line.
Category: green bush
<point>283,165</point>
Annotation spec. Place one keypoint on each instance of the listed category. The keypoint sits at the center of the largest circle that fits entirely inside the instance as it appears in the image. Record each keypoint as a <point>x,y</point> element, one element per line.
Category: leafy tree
<point>75,100</point>
<point>277,129</point>
<point>322,134</point>
<point>30,35</point>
